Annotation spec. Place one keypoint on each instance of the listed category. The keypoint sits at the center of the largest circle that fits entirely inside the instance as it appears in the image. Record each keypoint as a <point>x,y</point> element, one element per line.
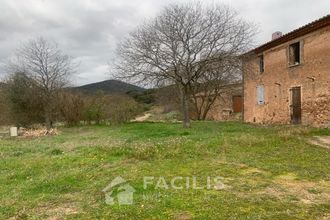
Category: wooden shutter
<point>237,104</point>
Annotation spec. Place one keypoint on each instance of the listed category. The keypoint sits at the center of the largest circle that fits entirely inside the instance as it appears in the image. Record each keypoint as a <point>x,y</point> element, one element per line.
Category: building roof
<point>306,29</point>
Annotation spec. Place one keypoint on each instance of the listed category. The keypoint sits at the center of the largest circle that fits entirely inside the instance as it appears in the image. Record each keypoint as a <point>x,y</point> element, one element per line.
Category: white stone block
<point>13,131</point>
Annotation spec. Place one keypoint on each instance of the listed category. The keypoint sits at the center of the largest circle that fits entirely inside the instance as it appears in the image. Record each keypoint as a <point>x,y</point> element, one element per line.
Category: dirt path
<point>322,141</point>
<point>145,117</point>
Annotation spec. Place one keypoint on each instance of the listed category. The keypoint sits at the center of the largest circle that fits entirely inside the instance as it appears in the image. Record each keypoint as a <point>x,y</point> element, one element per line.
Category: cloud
<point>89,30</point>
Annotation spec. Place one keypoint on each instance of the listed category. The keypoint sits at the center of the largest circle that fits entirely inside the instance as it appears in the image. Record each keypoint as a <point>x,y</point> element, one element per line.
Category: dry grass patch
<point>47,211</point>
<point>322,141</point>
<point>293,131</point>
<point>182,216</point>
<point>306,192</point>
<point>253,170</point>
<point>52,212</point>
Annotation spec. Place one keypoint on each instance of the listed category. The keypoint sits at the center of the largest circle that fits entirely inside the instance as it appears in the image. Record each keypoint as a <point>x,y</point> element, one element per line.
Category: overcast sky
<point>88,30</point>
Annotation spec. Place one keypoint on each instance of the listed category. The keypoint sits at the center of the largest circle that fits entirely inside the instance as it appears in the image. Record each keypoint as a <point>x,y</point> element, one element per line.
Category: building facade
<point>287,80</point>
<point>229,105</point>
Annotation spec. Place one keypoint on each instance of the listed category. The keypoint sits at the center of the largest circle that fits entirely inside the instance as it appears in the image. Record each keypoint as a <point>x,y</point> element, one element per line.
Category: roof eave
<point>306,29</point>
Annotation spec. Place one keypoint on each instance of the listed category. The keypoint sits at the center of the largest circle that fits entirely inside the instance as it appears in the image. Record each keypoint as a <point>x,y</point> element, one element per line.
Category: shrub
<point>71,107</point>
<point>24,100</point>
<point>56,152</point>
<point>115,109</point>
<point>123,109</point>
<point>5,116</point>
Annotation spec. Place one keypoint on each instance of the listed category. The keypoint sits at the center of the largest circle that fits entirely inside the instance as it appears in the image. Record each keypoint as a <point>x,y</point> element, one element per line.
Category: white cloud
<point>89,29</point>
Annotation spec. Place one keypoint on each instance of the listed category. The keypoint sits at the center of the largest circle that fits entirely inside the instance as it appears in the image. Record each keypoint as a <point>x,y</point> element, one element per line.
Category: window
<point>294,54</point>
<point>261,64</point>
<point>260,95</point>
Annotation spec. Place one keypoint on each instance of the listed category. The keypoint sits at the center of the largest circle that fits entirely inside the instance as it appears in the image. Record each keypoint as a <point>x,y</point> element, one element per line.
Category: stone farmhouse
<point>287,80</point>
<point>229,105</point>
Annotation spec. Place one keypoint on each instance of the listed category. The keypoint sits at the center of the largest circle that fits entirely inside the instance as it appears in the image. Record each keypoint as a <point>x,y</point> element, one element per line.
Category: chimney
<point>276,35</point>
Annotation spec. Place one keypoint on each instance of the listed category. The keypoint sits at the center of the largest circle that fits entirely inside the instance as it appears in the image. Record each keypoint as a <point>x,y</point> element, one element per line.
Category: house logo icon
<point>119,189</point>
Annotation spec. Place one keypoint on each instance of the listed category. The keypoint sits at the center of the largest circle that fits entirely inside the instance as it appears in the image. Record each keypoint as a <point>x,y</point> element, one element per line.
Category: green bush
<point>115,109</point>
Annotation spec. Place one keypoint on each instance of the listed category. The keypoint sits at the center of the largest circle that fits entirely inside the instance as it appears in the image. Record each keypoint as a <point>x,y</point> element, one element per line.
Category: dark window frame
<point>294,54</point>
<point>261,63</point>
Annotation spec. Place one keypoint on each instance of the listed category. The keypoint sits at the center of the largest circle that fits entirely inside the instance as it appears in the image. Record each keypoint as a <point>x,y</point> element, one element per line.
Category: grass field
<point>268,172</point>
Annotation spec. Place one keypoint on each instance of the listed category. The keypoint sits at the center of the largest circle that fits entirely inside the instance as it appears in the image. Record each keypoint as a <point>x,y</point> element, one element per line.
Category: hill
<point>109,87</point>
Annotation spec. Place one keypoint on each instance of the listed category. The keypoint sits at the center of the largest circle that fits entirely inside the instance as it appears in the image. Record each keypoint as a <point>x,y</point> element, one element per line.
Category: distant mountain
<point>109,87</point>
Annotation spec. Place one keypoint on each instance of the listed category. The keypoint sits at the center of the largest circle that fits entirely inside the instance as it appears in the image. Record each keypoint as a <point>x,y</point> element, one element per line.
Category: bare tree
<point>209,87</point>
<point>169,48</point>
<point>44,63</point>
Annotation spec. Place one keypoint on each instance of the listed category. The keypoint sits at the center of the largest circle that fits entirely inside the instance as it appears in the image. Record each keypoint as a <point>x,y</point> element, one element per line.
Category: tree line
<point>192,47</point>
<point>36,92</point>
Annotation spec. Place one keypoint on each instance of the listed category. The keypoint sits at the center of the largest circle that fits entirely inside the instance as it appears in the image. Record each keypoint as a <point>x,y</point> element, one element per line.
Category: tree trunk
<point>48,120</point>
<point>208,106</point>
<point>185,107</point>
<point>206,111</point>
<point>197,110</point>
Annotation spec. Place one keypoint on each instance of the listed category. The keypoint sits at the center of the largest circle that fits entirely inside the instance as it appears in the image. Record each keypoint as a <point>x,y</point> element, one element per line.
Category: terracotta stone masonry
<point>229,105</point>
<point>287,80</point>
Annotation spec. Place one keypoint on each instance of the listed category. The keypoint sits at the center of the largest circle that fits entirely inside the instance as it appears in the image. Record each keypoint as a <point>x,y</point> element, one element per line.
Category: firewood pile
<point>40,132</point>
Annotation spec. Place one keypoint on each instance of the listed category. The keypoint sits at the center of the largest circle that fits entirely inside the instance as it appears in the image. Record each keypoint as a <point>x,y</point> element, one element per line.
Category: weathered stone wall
<point>317,111</point>
<point>223,106</point>
<point>312,75</point>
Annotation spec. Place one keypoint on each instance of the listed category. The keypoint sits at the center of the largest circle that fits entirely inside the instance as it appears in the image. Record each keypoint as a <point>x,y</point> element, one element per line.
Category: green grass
<point>269,172</point>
